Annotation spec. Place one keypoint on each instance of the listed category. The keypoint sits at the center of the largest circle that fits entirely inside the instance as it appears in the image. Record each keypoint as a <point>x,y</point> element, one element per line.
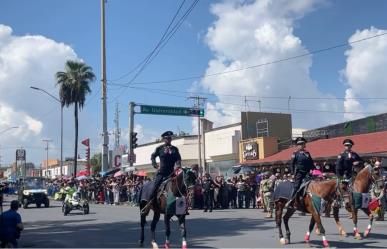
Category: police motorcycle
<point>75,202</point>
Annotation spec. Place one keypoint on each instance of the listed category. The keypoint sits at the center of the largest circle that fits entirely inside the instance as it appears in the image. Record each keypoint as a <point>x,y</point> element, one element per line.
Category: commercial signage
<point>117,158</point>
<point>20,155</point>
<point>250,151</point>
<point>170,110</point>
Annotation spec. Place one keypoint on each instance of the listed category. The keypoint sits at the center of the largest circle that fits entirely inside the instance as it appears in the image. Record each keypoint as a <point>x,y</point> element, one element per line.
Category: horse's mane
<point>361,183</point>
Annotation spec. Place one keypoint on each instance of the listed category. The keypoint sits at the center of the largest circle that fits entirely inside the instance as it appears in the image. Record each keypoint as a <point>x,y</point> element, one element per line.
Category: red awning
<point>369,143</point>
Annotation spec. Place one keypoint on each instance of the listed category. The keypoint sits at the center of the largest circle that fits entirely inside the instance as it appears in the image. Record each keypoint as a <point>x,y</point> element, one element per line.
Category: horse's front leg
<point>317,219</point>
<point>183,231</point>
<point>167,222</point>
<point>311,226</point>
<point>355,228</point>
<point>288,214</point>
<point>143,221</point>
<point>279,207</point>
<point>371,219</point>
<point>156,218</point>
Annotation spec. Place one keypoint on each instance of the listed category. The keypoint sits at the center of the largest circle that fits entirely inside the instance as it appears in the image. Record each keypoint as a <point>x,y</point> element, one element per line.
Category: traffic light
<point>133,139</point>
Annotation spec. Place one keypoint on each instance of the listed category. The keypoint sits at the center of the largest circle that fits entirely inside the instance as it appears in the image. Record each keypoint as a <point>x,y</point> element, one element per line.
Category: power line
<point>155,48</point>
<point>256,66</point>
<point>252,96</point>
<point>163,41</point>
<point>263,107</point>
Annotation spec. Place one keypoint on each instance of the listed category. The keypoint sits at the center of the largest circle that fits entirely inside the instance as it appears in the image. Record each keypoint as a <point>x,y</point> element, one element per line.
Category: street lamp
<point>61,124</point>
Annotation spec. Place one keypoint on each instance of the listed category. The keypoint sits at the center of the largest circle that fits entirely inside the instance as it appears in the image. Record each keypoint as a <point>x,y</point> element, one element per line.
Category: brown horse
<point>178,186</point>
<point>361,184</point>
<point>327,190</point>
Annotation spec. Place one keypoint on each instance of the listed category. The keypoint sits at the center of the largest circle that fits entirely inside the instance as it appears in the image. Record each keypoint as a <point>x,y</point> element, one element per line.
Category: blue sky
<point>133,29</point>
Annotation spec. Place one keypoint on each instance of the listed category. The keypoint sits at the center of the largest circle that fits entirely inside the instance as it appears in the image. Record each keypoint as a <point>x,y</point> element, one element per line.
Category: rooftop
<point>369,143</point>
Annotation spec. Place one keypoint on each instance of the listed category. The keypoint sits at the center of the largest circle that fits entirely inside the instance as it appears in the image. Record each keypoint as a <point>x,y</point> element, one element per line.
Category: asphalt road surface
<point>118,226</point>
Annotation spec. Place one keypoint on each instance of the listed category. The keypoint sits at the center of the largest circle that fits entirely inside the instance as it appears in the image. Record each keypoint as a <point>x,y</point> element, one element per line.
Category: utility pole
<point>105,145</point>
<point>117,132</point>
<point>197,105</point>
<point>259,104</point>
<point>46,149</point>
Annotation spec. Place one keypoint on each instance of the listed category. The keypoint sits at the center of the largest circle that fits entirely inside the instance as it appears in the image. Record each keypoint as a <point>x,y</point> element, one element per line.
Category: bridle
<point>177,174</point>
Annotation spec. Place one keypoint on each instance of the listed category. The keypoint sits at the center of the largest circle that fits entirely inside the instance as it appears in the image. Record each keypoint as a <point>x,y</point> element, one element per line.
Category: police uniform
<point>345,161</point>
<point>169,156</point>
<point>301,164</point>
<point>208,191</point>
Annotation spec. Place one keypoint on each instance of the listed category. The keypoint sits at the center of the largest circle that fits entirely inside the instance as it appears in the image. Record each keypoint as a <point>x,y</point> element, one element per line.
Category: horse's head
<point>358,166</point>
<point>189,177</point>
<point>184,179</point>
<point>364,178</point>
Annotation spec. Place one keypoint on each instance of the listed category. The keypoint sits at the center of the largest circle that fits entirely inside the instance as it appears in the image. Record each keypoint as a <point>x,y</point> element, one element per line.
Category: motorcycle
<point>75,203</point>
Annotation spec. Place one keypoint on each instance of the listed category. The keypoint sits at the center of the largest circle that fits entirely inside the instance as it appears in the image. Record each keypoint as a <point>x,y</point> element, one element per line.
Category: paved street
<point>118,226</point>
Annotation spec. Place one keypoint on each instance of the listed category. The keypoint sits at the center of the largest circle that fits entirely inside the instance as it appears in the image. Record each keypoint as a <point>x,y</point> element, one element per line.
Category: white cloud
<point>253,33</point>
<point>31,60</point>
<point>365,72</point>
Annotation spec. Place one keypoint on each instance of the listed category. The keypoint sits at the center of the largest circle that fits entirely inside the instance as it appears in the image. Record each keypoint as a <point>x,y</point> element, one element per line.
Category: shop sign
<point>250,151</point>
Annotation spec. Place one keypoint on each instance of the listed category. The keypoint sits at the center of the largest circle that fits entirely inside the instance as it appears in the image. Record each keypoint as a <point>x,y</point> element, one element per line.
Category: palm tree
<point>74,85</point>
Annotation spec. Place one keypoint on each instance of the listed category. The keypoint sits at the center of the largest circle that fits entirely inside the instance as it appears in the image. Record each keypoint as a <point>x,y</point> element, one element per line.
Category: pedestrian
<point>378,192</point>
<point>208,191</point>
<point>11,226</point>
<point>241,188</point>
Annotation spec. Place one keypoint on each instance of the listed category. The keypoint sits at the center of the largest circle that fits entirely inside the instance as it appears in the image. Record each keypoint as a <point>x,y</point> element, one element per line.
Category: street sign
<point>170,110</point>
<point>20,155</point>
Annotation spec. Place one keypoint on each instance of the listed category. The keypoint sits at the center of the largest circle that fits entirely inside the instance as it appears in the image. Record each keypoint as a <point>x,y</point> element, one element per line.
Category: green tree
<point>95,162</point>
<point>74,85</point>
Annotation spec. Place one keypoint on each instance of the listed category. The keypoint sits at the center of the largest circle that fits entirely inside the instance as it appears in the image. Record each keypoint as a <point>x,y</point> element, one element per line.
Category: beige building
<point>221,148</point>
<point>52,170</point>
<point>187,145</point>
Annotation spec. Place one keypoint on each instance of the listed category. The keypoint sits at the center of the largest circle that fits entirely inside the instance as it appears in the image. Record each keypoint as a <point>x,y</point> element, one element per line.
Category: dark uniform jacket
<point>301,162</point>
<point>169,155</point>
<point>208,185</point>
<point>345,162</point>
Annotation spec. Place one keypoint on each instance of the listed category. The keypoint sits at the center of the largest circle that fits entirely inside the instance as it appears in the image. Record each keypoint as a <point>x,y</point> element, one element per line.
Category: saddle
<point>304,186</point>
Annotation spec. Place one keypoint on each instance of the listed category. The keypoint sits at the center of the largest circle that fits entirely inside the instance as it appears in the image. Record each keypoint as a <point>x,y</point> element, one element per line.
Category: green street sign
<point>170,110</point>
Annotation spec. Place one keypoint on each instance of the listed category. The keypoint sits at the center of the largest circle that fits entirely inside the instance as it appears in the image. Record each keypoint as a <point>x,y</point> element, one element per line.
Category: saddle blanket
<point>176,205</point>
<point>146,191</point>
<point>283,190</point>
<point>360,200</point>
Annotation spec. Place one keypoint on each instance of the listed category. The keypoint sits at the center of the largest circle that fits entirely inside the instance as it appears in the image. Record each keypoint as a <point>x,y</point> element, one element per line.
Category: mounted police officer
<point>300,166</point>
<point>169,158</point>
<point>346,160</point>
